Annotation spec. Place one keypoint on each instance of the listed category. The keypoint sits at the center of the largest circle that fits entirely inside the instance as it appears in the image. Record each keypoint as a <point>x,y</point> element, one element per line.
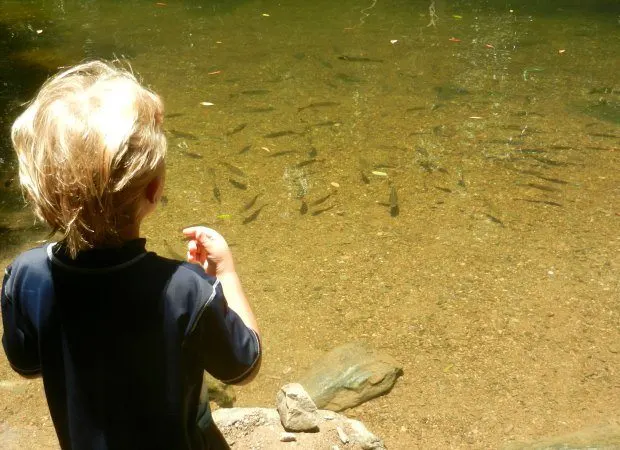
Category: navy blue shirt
<point>122,338</point>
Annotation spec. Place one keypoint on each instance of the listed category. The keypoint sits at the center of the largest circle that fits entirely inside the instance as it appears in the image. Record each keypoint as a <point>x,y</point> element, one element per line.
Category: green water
<point>496,130</point>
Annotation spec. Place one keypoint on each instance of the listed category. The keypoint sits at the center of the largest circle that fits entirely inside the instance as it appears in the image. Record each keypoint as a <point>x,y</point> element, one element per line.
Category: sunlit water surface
<point>445,192</point>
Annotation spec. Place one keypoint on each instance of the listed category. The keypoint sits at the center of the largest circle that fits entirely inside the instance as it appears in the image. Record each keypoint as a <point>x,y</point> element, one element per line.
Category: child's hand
<point>209,249</point>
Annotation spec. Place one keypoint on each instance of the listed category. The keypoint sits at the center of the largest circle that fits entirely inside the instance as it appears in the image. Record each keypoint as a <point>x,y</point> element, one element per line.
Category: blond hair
<point>88,145</point>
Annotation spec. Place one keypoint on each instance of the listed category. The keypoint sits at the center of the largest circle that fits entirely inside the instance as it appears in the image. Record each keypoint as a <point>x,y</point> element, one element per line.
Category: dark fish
<point>252,217</point>
<point>238,184</point>
<point>249,204</point>
<point>531,151</point>
<point>192,155</point>
<point>9,182</point>
<point>163,200</point>
<point>303,208</point>
<point>245,149</point>
<point>172,115</point>
<point>394,208</point>
<point>318,105</point>
<point>358,59</point>
<point>322,199</point>
<point>265,109</point>
<point>217,195</point>
<point>255,92</point>
<point>550,162</point>
<point>182,135</point>
<point>604,135</point>
<point>560,147</point>
<point>233,169</point>
<point>494,219</point>
<point>327,123</point>
<point>321,211</point>
<point>237,129</point>
<point>312,153</point>
<point>416,108</point>
<point>443,189</point>
<point>543,177</point>
<point>540,187</point>
<point>280,153</point>
<point>505,141</point>
<point>277,134</point>
<point>365,179</point>
<point>307,162</point>
<point>349,78</point>
<point>546,202</point>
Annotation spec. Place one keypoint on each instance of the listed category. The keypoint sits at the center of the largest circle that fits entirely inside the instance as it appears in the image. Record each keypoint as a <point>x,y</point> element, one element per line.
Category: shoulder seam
<point>204,307</point>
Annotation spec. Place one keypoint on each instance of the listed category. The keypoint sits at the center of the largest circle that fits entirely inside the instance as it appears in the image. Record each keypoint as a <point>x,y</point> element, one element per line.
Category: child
<point>120,335</point>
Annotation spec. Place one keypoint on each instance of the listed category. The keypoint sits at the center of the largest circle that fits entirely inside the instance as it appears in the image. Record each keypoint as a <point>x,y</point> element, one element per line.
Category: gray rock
<point>602,437</point>
<point>296,408</point>
<point>350,375</point>
<point>287,437</point>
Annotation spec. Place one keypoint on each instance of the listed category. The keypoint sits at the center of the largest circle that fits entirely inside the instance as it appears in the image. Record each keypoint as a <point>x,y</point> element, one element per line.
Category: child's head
<point>88,146</point>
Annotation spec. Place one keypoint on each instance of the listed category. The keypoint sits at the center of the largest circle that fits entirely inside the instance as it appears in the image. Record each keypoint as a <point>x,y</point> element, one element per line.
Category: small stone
<point>296,409</point>
<point>342,435</point>
<point>335,447</point>
<point>365,438</point>
<point>287,437</point>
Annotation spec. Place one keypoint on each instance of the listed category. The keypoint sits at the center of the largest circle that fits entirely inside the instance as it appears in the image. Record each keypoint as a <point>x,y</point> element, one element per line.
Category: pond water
<point>437,179</point>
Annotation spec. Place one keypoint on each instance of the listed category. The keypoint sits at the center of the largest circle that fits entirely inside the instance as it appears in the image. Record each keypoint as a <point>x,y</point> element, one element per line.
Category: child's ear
<point>153,189</point>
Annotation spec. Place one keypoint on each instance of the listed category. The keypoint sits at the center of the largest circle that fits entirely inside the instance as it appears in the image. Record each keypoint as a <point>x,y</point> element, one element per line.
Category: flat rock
<point>350,375</point>
<point>260,428</point>
<point>602,437</point>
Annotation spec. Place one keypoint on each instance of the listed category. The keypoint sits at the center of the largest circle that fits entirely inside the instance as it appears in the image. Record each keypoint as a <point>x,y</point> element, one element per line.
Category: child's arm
<point>209,249</point>
<point>19,339</point>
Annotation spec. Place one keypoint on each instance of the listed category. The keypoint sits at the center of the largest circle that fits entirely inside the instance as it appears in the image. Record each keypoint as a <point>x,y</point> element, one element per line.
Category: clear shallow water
<point>495,285</point>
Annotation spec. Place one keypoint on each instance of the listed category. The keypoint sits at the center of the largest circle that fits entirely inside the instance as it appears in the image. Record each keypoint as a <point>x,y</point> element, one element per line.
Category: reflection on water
<point>447,192</point>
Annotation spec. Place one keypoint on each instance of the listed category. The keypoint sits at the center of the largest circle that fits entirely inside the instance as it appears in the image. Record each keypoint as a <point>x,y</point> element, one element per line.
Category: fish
<point>313,153</point>
<point>249,204</point>
<point>315,105</point>
<point>443,189</point>
<point>255,92</point>
<point>172,115</point>
<point>280,153</point>
<point>277,134</point>
<point>494,219</point>
<point>543,177</point>
<point>546,202</point>
<point>327,123</point>
<point>192,155</point>
<point>364,177</point>
<point>252,217</point>
<point>245,149</point>
<point>321,211</point>
<point>265,109</point>
<point>550,162</point>
<point>237,129</point>
<point>604,135</point>
<point>303,208</point>
<point>238,184</point>
<point>233,169</point>
<point>217,195</point>
<point>540,187</point>
<point>308,162</point>
<point>358,59</point>
<point>182,135</point>
<point>394,207</point>
<point>322,199</point>
<point>163,200</point>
